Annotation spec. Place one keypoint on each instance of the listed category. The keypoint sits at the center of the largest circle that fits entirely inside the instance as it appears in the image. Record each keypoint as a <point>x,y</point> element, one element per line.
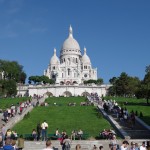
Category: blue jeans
<point>44,134</point>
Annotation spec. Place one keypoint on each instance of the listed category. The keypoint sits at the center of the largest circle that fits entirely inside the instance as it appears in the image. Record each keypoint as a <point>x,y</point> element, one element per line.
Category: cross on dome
<point>54,51</point>
<point>70,31</point>
<point>84,50</point>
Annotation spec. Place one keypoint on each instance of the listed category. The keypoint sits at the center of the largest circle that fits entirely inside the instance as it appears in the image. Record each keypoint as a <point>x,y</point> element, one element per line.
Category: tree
<point>123,85</point>
<point>8,87</point>
<point>13,74</point>
<point>144,87</point>
<point>99,81</point>
<point>146,84</point>
<point>40,79</point>
<point>12,71</point>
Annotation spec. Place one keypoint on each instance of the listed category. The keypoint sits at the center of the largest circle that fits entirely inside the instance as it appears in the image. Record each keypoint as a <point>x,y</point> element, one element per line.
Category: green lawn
<point>65,117</point>
<point>134,104</point>
<point>7,102</point>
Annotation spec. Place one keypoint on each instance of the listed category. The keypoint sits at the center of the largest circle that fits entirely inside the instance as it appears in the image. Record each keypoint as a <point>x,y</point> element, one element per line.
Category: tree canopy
<point>40,79</point>
<point>11,74</point>
<point>144,88</point>
<point>98,81</point>
<point>124,85</point>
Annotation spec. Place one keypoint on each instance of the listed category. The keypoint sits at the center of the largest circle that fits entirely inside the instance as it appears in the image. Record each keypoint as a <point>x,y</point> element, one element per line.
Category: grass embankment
<point>134,104</point>
<point>7,102</point>
<point>65,117</point>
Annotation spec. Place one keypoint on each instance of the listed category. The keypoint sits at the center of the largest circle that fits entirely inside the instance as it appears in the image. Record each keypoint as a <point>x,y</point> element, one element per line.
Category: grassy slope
<point>7,102</point>
<point>135,105</point>
<point>65,117</point>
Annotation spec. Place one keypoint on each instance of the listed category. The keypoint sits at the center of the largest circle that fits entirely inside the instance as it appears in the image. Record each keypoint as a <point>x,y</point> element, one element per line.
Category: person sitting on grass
<point>57,133</point>
<point>34,134</point>
<point>73,134</point>
<point>80,134</point>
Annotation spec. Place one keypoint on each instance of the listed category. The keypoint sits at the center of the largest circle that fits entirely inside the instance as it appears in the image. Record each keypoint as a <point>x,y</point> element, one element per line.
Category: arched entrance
<point>85,94</point>
<point>49,94</point>
<point>67,94</point>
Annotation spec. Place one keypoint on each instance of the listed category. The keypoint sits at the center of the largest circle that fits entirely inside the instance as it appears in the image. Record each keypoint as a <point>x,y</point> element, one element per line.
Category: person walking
<point>20,142</point>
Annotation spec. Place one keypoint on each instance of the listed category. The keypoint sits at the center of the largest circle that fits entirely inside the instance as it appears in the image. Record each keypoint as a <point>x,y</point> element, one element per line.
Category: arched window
<point>76,60</point>
<point>68,71</point>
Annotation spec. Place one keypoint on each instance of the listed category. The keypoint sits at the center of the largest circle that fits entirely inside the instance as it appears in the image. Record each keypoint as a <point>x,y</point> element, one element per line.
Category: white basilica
<point>72,67</point>
<point>69,72</point>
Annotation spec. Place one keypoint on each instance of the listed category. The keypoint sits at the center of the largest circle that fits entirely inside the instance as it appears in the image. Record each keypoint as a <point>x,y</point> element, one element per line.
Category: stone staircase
<point>138,132</point>
<point>85,144</point>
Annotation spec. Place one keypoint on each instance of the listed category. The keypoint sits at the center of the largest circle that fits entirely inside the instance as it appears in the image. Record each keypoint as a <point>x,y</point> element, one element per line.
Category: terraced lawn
<point>64,117</point>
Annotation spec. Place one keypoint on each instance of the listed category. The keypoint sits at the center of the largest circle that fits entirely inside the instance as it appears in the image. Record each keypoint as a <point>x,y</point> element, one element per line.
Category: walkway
<point>139,131</point>
<point>12,121</point>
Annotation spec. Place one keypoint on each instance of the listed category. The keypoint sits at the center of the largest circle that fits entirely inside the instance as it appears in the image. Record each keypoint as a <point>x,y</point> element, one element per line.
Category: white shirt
<point>142,148</point>
<point>48,148</point>
<point>44,125</point>
<point>123,148</point>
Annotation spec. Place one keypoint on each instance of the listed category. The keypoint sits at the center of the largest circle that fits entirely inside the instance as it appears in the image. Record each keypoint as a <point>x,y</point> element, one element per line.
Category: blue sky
<point>116,33</point>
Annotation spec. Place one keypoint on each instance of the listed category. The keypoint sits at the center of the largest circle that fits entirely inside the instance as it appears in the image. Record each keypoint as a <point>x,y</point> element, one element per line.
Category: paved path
<point>12,121</point>
<point>138,132</point>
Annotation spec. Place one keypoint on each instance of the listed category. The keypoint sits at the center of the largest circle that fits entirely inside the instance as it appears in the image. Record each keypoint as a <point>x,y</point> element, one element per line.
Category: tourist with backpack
<point>66,143</point>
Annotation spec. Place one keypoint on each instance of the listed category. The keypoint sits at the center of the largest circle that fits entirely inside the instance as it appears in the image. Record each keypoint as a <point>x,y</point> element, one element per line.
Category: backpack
<point>67,145</point>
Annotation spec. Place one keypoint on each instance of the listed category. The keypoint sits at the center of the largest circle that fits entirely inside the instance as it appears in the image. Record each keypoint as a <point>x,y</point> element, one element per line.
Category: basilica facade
<point>69,71</point>
<point>71,67</point>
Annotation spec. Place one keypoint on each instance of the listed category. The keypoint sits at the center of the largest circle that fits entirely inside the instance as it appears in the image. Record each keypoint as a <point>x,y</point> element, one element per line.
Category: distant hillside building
<point>69,71</point>
<point>72,67</point>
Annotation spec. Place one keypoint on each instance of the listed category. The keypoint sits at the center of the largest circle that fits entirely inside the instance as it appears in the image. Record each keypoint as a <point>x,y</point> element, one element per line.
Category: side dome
<point>54,60</point>
<point>70,45</point>
<point>85,58</point>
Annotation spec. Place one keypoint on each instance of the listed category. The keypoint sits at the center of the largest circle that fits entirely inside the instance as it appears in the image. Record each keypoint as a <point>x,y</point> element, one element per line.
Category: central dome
<point>70,45</point>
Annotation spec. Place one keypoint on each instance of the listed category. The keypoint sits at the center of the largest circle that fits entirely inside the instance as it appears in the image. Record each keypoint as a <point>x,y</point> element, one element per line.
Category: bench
<point>28,137</point>
<point>52,137</point>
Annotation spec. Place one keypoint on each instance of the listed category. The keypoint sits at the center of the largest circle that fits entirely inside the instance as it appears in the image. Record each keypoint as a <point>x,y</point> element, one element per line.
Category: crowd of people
<point>15,109</point>
<point>107,134</point>
<point>121,113</point>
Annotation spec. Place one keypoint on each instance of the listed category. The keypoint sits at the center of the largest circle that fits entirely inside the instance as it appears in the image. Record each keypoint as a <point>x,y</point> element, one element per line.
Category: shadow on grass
<point>146,119</point>
<point>136,104</point>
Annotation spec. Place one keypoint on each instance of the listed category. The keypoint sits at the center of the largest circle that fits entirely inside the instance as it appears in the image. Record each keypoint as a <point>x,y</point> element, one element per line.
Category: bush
<point>141,115</point>
<point>136,113</point>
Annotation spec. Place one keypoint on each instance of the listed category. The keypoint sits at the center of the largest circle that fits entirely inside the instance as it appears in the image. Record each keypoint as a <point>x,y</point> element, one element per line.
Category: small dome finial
<point>70,31</point>
<point>84,50</point>
<point>54,51</point>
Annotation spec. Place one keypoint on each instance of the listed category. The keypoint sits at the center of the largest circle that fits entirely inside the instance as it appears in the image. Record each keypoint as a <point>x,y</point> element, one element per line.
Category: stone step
<point>85,144</point>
